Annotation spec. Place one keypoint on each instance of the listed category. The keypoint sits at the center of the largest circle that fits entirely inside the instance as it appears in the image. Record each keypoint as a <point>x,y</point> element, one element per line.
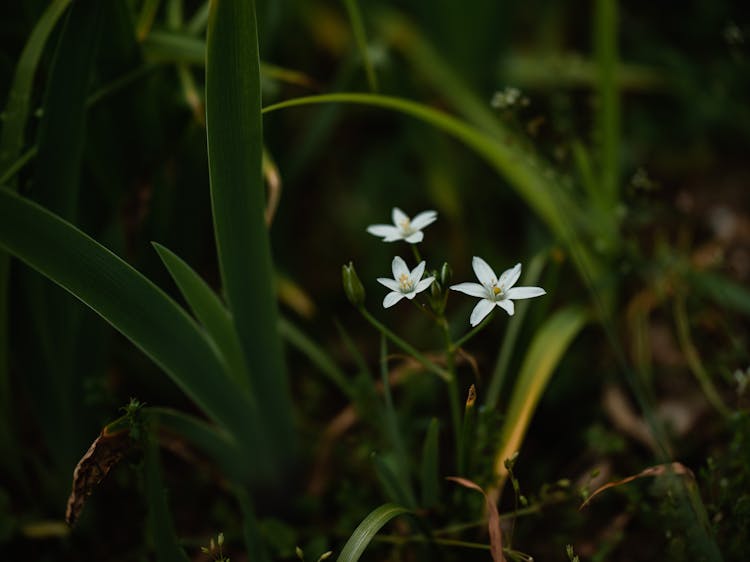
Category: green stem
<point>693,358</point>
<point>417,255</point>
<point>429,365</point>
<point>473,332</point>
<point>453,392</point>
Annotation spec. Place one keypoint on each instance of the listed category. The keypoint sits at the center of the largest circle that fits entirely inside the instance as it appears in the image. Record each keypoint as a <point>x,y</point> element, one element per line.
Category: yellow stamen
<point>497,290</point>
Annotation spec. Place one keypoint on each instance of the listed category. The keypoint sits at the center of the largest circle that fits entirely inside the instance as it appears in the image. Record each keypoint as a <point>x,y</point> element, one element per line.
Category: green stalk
<point>393,338</point>
<point>453,392</point>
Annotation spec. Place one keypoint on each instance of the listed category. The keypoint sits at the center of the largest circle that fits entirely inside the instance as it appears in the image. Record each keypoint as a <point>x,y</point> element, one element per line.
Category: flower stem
<point>474,331</point>
<point>415,251</point>
<point>429,365</point>
<point>453,392</point>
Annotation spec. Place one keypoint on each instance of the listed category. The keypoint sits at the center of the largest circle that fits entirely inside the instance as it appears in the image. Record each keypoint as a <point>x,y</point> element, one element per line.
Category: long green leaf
<point>209,311</point>
<point>544,354</point>
<point>366,530</point>
<point>235,148</point>
<point>11,143</point>
<point>135,307</point>
<point>360,37</point>
<point>430,472</point>
<point>19,97</point>
<point>56,321</point>
<point>524,172</point>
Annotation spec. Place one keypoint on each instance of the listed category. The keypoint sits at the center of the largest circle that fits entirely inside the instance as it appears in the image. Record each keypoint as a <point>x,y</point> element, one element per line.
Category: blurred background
<point>673,244</point>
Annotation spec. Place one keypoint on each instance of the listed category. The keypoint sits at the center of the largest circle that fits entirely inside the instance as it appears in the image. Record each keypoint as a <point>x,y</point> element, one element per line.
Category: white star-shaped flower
<point>405,283</point>
<point>403,227</point>
<point>493,291</point>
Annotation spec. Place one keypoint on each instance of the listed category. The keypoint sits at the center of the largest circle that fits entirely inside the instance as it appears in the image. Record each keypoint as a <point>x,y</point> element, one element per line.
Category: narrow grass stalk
<point>358,28</point>
<point>393,338</point>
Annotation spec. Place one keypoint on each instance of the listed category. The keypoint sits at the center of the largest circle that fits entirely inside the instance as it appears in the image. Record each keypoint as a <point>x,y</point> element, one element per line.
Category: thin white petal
<point>423,284</point>
<point>399,268</point>
<point>410,295</point>
<point>383,230</point>
<point>398,216</point>
<point>391,299</point>
<point>507,305</point>
<point>392,284</point>
<point>471,289</point>
<point>510,276</point>
<point>482,309</point>
<point>525,292</point>
<point>417,272</point>
<point>483,271</point>
<point>423,219</point>
<point>415,238</point>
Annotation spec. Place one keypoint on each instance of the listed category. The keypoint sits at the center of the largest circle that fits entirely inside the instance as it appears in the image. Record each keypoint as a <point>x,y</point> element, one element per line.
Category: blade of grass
<point>11,143</point>
<point>235,151</point>
<point>135,307</point>
<point>55,320</point>
<point>161,527</point>
<point>608,114</point>
<point>20,95</point>
<point>522,170</point>
<point>544,354</point>
<point>146,18</point>
<point>392,431</point>
<point>360,37</point>
<point>317,356</point>
<point>366,530</point>
<point>210,312</point>
<point>430,469</point>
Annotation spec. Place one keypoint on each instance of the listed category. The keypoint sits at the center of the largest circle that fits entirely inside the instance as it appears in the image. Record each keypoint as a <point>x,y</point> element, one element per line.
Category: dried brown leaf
<point>493,518</point>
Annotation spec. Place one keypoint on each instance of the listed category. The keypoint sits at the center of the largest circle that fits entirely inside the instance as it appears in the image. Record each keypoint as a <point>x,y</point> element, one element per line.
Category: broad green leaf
<point>366,530</point>
<point>723,291</point>
<point>235,149</point>
<point>210,312</point>
<point>544,354</point>
<point>135,307</point>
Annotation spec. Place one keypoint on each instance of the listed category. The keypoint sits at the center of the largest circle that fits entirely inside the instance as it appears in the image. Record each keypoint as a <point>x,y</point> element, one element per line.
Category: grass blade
<point>134,306</point>
<point>430,470</point>
<point>545,352</point>
<point>19,97</point>
<point>366,530</point>
<point>161,527</point>
<point>209,311</point>
<point>358,28</point>
<point>235,149</point>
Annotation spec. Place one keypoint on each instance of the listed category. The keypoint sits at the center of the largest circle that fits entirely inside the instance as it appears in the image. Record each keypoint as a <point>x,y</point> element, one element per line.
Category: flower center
<point>405,225</point>
<point>497,292</point>
<point>405,283</point>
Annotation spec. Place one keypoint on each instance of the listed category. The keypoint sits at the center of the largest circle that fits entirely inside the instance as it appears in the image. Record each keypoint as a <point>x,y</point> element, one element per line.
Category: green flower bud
<point>353,288</point>
<point>446,274</point>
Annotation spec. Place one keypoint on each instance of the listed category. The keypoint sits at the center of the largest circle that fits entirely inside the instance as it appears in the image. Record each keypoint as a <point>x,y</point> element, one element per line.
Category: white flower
<point>494,291</point>
<point>404,228</point>
<point>404,283</point>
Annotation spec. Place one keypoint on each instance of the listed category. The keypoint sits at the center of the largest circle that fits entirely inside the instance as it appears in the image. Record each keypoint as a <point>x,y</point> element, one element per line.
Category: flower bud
<point>353,288</point>
<point>446,274</point>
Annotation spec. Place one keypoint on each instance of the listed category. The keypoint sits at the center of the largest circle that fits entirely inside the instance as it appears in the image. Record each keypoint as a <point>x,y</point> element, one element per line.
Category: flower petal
<point>525,292</point>
<point>423,219</point>
<point>482,309</point>
<point>483,271</point>
<point>510,276</point>
<point>423,284</point>
<point>392,284</point>
<point>398,216</point>
<point>507,305</point>
<point>417,272</point>
<point>399,268</point>
<point>471,289</point>
<point>383,230</point>
<point>415,238</point>
<point>392,298</point>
